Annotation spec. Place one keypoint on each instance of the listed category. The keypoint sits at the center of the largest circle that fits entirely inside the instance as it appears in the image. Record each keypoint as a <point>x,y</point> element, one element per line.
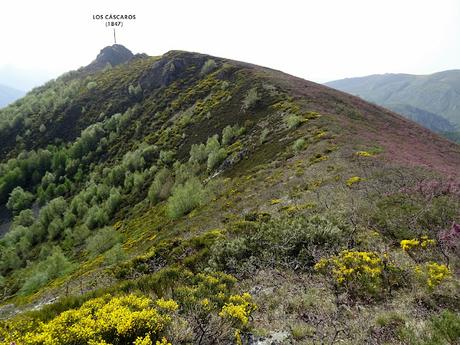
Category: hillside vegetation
<point>190,199</point>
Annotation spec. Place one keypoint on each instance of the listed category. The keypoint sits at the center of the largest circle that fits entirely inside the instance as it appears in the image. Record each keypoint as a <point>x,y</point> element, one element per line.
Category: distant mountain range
<point>23,78</point>
<point>431,100</point>
<point>9,95</point>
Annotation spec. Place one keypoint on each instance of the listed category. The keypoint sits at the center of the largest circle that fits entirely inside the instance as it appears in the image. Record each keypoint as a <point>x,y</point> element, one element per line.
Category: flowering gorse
<point>127,319</point>
<point>354,270</point>
<point>199,300</point>
<point>167,305</point>
<point>364,154</point>
<point>414,244</point>
<point>432,274</point>
<point>353,180</point>
<point>148,341</point>
<point>238,309</point>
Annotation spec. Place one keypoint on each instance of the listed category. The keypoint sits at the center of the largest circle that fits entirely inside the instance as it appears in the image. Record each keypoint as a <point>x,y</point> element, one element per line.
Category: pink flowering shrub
<point>450,238</point>
<point>434,188</point>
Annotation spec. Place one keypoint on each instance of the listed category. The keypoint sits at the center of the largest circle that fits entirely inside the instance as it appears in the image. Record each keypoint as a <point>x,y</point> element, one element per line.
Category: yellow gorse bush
<point>169,304</point>
<point>422,243</point>
<point>128,319</point>
<point>432,274</point>
<point>135,319</point>
<point>364,154</point>
<point>238,309</point>
<point>409,244</point>
<point>353,180</point>
<point>147,341</point>
<point>208,290</point>
<point>350,267</point>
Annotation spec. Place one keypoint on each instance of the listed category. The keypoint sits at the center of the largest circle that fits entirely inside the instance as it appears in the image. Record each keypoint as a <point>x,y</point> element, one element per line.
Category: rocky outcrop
<point>109,56</point>
<point>172,66</point>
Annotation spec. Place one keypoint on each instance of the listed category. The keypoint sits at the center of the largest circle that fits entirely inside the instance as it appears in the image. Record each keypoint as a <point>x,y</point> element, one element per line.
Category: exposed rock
<point>112,56</point>
<point>275,338</point>
<point>172,66</point>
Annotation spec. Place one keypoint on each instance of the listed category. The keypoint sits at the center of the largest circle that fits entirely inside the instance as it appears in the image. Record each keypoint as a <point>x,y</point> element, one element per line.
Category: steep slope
<point>9,95</point>
<point>220,202</point>
<point>437,93</point>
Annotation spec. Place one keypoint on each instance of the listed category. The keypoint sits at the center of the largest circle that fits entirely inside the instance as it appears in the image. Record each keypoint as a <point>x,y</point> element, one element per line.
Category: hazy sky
<point>319,40</point>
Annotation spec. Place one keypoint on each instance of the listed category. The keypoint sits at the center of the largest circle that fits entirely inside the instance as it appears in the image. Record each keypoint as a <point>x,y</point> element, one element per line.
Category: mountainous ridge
<point>427,119</point>
<point>170,176</point>
<point>437,93</point>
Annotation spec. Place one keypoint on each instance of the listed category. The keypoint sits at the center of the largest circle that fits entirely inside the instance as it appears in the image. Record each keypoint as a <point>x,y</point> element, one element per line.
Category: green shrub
<point>229,133</point>
<point>442,329</point>
<point>102,240</point>
<point>251,99</point>
<point>134,182</point>
<point>216,154</point>
<point>91,85</point>
<point>264,135</point>
<point>285,242</point>
<point>212,144</point>
<point>88,141</point>
<point>134,161</point>
<point>113,202</point>
<point>300,331</point>
<point>19,200</point>
<point>184,172</point>
<point>167,157</point>
<point>186,197</point>
<point>209,66</point>
<point>160,189</point>
<point>51,217</point>
<point>404,216</point>
<point>9,259</point>
<point>293,121</point>
<point>390,318</point>
<point>116,176</point>
<point>215,158</point>
<point>115,255</point>
<point>299,145</point>
<point>446,327</point>
<point>24,218</point>
<point>75,237</point>
<point>53,267</point>
<point>198,153</point>
<point>135,90</point>
<point>96,217</point>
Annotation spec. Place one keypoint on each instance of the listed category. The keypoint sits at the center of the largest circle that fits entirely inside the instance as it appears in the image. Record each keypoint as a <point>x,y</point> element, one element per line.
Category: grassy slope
<point>270,178</point>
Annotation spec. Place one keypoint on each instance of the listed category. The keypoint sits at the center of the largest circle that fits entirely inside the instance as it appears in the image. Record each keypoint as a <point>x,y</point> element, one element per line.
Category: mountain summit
<point>111,55</point>
<point>193,199</point>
